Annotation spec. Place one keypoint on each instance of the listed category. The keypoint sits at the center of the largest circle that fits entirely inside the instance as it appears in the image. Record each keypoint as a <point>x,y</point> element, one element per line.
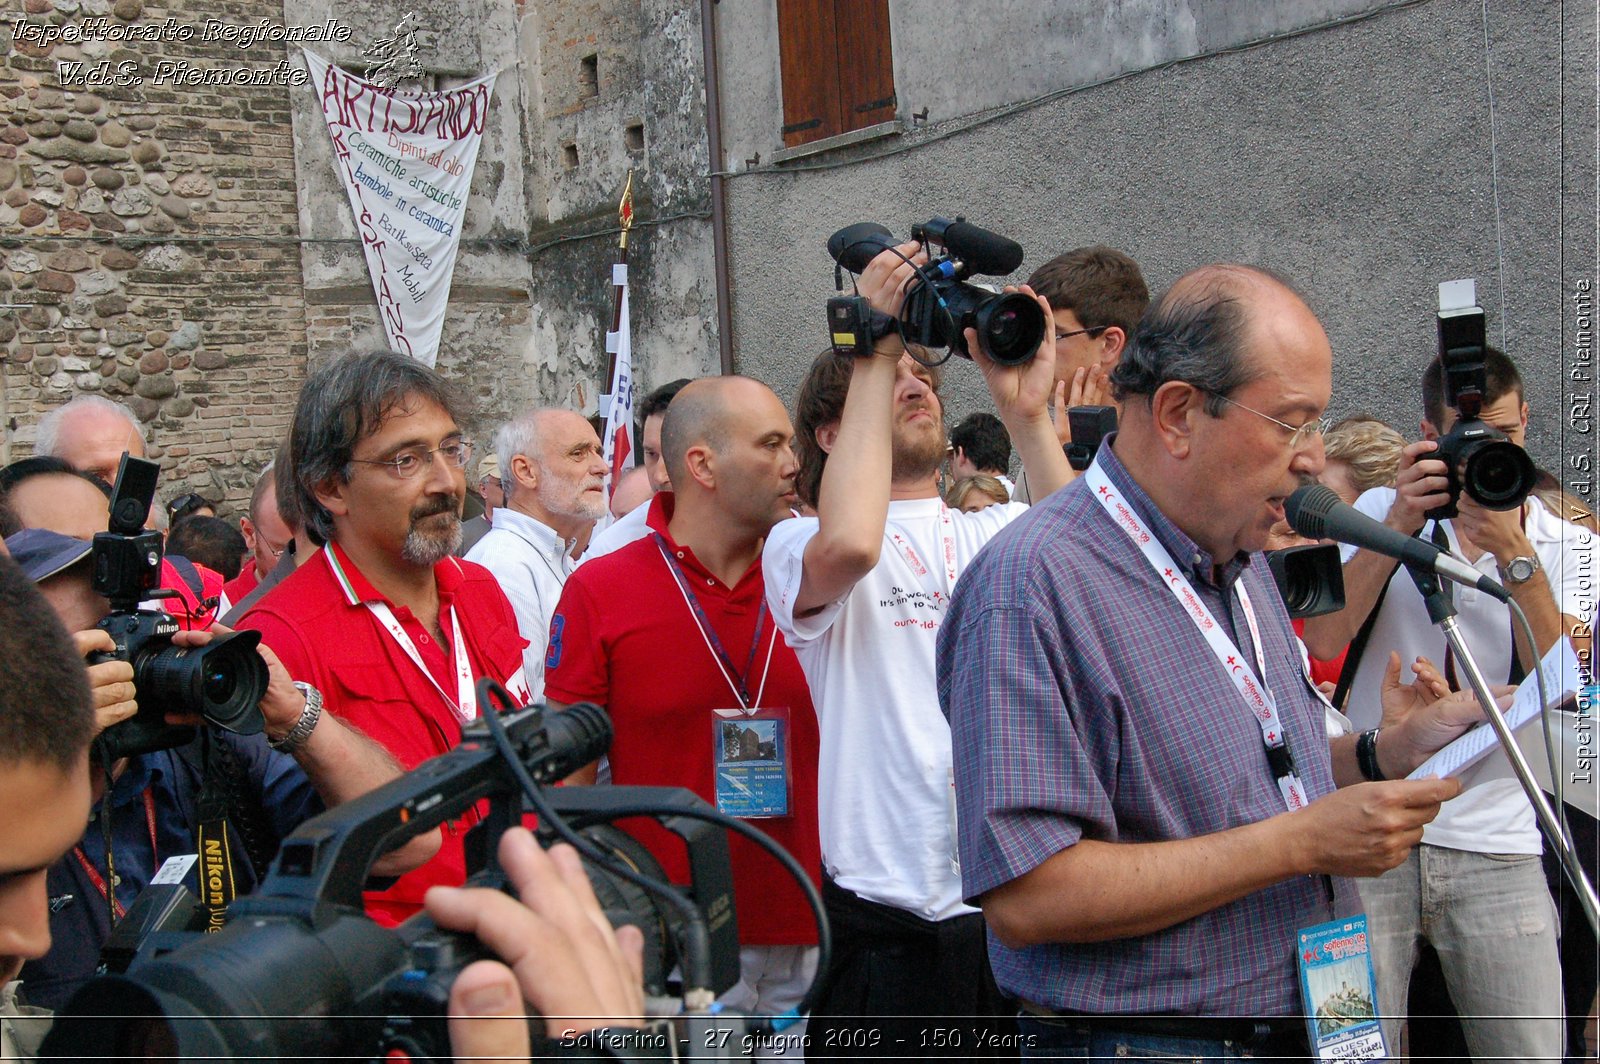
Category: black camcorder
<point>940,305</point>
<point>1478,459</point>
<point>222,681</point>
<point>300,972</point>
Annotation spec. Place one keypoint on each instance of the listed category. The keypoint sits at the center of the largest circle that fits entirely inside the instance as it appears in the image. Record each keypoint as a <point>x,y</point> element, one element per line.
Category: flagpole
<point>625,220</point>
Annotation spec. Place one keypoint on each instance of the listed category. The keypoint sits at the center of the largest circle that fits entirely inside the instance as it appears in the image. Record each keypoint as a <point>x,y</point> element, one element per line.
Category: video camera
<point>1478,459</point>
<point>300,972</point>
<point>223,680</point>
<point>1010,326</point>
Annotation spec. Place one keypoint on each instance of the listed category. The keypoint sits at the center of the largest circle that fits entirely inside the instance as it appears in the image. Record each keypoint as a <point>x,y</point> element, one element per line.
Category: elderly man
<point>384,621</point>
<point>1144,778</point>
<point>90,433</point>
<point>555,491</point>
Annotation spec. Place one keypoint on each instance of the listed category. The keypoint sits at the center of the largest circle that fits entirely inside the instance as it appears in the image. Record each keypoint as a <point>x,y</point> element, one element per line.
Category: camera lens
<point>219,685</point>
<point>1497,473</point>
<point>1010,328</point>
<point>223,681</point>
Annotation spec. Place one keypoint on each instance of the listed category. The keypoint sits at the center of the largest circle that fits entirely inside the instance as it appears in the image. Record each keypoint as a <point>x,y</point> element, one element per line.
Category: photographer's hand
<point>565,959</point>
<point>1421,485</point>
<point>1419,488</point>
<point>1022,394</point>
<point>111,682</point>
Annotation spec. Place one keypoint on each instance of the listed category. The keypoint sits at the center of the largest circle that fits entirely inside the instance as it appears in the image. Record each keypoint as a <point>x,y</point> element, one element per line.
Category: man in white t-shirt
<point>859,591</point>
<point>1474,888</point>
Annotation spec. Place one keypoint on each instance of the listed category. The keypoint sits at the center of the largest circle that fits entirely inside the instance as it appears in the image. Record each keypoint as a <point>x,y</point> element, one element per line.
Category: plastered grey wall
<point>1361,159</point>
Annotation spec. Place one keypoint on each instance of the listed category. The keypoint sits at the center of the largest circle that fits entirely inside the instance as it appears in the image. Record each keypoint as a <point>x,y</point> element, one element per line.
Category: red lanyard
<point>94,874</point>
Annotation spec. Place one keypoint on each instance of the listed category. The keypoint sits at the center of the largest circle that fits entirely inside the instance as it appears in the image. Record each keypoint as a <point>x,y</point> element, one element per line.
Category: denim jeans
<point>1049,1039</point>
<point>1491,920</point>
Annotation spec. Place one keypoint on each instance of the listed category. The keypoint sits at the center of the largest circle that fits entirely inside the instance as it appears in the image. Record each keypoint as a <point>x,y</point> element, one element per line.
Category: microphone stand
<point>1442,613</point>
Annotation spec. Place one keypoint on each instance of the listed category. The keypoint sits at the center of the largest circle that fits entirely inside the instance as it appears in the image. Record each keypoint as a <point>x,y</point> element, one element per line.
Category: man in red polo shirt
<point>385,622</point>
<point>671,634</point>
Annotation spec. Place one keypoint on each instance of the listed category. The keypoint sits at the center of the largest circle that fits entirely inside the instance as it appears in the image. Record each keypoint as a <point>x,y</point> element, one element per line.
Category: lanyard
<point>947,546</point>
<point>741,688</point>
<point>93,873</point>
<point>463,705</point>
<point>1263,707</point>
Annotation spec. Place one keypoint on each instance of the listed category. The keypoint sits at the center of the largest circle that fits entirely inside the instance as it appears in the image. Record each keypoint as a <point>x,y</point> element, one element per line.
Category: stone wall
<point>149,229</point>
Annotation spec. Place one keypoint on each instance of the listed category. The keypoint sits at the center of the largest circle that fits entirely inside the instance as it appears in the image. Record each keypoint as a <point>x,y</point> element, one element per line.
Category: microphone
<point>984,252</point>
<point>1315,511</point>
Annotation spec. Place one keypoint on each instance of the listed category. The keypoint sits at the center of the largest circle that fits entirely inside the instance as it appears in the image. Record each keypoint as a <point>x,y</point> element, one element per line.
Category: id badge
<point>1339,991</point>
<point>750,760</point>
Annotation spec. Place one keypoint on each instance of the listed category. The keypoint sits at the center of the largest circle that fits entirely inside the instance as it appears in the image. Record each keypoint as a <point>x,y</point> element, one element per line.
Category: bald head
<point>1200,331</point>
<point>701,414</point>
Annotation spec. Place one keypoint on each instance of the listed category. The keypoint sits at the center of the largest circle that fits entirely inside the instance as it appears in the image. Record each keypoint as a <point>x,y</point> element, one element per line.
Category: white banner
<point>406,160</point>
<point>618,442</point>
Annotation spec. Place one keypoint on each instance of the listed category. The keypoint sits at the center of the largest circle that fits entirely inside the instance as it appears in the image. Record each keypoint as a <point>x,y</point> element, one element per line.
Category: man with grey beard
<point>554,479</point>
<point>385,622</point>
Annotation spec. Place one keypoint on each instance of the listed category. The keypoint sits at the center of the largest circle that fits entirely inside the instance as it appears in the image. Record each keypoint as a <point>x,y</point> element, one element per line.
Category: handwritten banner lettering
<point>406,160</point>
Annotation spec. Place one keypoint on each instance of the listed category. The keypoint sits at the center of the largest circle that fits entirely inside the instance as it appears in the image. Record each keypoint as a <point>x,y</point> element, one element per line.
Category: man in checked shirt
<point>1124,810</point>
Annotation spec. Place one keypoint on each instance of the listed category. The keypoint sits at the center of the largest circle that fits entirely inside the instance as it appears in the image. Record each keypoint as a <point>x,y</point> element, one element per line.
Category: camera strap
<point>213,843</point>
<point>1257,697</point>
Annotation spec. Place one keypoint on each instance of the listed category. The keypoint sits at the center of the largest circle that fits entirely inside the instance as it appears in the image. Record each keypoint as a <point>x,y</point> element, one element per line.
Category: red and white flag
<point>619,444</point>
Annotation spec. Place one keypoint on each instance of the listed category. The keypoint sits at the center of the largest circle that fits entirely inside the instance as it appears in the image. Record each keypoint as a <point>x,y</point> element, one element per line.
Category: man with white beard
<point>554,479</point>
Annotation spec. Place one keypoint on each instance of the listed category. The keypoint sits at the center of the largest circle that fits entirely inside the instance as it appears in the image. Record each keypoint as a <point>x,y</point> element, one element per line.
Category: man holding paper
<point>1474,888</point>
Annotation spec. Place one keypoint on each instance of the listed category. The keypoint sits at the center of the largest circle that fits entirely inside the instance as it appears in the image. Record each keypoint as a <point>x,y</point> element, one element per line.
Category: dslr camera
<point>222,681</point>
<point>1478,459</point>
<point>940,304</point>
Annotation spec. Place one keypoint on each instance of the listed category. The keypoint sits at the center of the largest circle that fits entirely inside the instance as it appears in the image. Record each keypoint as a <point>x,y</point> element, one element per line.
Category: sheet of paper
<point>1561,673</point>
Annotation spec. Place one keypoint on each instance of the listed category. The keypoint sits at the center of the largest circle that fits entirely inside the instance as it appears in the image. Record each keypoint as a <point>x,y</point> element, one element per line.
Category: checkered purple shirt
<point>1083,702</point>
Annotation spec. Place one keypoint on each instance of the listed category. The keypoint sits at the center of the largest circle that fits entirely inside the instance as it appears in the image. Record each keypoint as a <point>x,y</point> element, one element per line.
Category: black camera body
<point>222,681</point>
<point>1010,326</point>
<point>1090,426</point>
<point>1478,459</point>
<point>1309,578</point>
<point>301,972</point>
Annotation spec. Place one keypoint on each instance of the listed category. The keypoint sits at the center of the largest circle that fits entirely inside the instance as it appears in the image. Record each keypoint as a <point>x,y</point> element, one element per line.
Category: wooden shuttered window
<point>837,67</point>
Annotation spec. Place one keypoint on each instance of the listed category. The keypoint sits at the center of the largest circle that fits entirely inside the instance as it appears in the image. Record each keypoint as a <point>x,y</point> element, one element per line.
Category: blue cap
<point>42,553</point>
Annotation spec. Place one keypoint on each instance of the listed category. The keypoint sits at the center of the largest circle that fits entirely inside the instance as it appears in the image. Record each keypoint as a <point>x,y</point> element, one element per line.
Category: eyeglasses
<point>1299,435</point>
<point>408,463</point>
<point>276,552</point>
<point>1096,331</point>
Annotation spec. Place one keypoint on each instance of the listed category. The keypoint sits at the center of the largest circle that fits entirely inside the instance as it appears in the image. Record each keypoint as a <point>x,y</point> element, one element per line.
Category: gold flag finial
<point>625,210</point>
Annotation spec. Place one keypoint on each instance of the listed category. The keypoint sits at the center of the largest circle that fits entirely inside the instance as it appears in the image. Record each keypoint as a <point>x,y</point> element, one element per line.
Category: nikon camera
<point>222,681</point>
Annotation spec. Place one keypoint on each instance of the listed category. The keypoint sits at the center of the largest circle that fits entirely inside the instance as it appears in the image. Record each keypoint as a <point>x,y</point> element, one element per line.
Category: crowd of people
<point>1051,748</point>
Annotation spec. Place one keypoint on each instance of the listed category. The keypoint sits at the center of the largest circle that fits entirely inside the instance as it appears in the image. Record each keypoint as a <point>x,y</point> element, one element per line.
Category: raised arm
<point>853,498</point>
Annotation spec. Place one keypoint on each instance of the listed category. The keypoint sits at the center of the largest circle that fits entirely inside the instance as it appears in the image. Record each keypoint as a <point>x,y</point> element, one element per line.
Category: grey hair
<point>1195,333</point>
<point>342,402</point>
<point>520,435</point>
<point>48,438</point>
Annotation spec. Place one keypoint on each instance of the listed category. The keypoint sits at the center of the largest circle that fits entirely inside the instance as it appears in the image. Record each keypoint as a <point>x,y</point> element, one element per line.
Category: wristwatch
<point>1520,570</point>
<point>305,725</point>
